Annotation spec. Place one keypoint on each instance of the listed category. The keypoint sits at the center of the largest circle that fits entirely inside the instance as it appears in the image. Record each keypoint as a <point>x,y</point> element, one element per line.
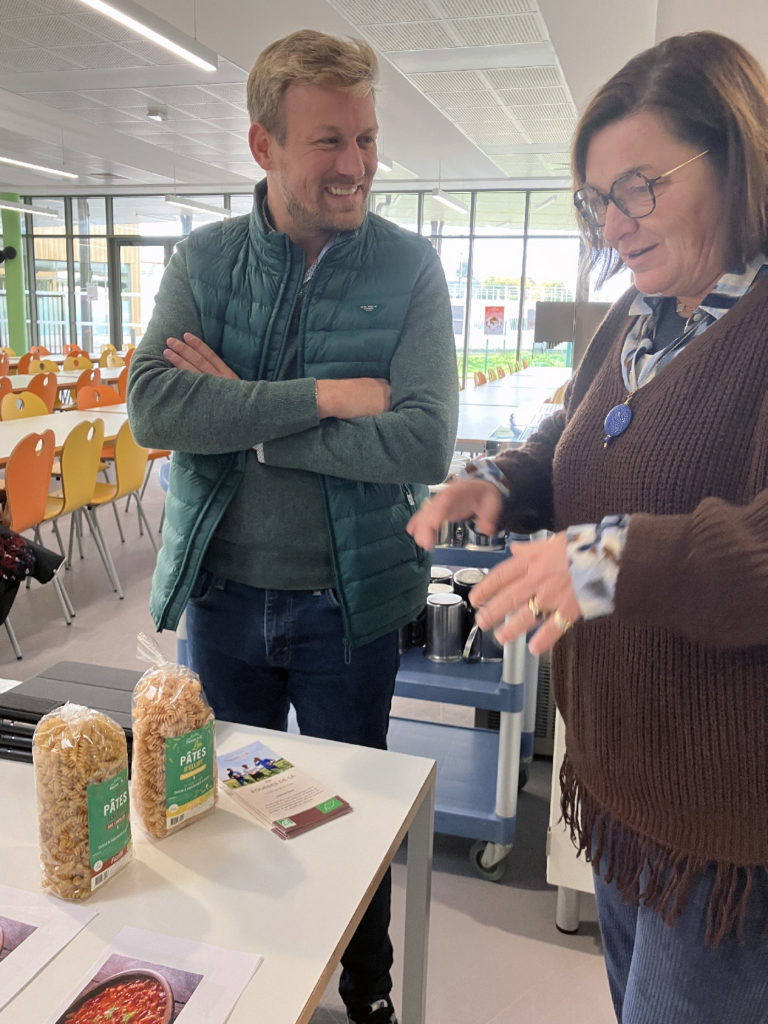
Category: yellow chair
<point>42,366</point>
<point>80,458</point>
<point>27,482</point>
<point>130,464</point>
<point>46,385</point>
<point>491,375</point>
<point>6,350</point>
<point>76,363</point>
<point>16,407</point>
<point>111,359</point>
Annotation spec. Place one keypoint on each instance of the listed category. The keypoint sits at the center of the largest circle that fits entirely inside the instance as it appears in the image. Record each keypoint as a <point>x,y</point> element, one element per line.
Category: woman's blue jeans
<point>661,974</point>
<point>259,651</point>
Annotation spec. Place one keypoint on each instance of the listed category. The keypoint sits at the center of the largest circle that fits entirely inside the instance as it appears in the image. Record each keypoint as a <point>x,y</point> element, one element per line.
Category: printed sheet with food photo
<point>157,979</point>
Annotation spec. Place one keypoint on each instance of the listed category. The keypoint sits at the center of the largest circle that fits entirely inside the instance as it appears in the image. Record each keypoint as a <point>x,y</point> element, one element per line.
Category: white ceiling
<point>481,93</point>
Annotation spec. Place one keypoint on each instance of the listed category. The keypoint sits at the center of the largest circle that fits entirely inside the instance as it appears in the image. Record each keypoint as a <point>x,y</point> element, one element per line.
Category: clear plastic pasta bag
<point>81,780</point>
<point>173,778</point>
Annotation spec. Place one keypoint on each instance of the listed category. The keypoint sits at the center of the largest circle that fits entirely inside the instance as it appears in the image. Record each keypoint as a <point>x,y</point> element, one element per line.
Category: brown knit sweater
<point>666,701</point>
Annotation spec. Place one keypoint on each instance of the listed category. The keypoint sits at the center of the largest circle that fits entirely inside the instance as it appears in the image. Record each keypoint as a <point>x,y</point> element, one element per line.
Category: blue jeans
<point>661,974</point>
<point>259,651</point>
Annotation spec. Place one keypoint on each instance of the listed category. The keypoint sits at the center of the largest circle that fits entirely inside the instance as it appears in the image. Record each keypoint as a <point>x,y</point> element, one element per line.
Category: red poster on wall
<point>494,319</point>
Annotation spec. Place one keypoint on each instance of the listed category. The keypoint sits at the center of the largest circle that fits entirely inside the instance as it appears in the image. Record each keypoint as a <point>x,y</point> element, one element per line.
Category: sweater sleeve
<point>195,412</point>
<point>528,475</point>
<point>703,575</point>
<point>414,441</point>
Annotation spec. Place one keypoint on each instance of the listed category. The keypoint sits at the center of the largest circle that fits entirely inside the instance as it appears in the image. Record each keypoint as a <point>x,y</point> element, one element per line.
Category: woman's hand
<point>191,353</point>
<point>536,572</point>
<point>463,498</point>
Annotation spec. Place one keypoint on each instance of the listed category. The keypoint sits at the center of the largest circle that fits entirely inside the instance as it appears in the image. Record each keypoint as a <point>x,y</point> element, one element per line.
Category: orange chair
<point>16,407</point>
<point>90,377</point>
<point>23,364</point>
<point>76,363</point>
<point>480,378</point>
<point>122,383</point>
<point>90,397</point>
<point>5,364</point>
<point>128,354</point>
<point>73,350</point>
<point>46,385</point>
<point>38,351</point>
<point>27,481</point>
<point>6,387</point>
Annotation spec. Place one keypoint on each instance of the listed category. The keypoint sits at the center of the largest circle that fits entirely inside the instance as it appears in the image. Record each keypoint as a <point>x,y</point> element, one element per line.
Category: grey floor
<point>495,956</point>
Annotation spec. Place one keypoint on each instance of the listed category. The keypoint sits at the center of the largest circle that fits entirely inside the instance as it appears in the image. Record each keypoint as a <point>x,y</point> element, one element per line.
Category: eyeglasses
<point>632,193</point>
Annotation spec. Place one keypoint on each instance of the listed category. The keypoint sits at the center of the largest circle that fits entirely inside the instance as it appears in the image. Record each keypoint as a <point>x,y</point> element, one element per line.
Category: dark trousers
<point>259,651</point>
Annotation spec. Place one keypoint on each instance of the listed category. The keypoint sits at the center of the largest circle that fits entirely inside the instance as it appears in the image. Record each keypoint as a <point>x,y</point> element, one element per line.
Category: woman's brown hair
<point>712,94</point>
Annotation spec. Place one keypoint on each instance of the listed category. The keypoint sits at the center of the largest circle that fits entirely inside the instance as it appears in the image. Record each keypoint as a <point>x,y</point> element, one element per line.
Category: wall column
<point>14,278</point>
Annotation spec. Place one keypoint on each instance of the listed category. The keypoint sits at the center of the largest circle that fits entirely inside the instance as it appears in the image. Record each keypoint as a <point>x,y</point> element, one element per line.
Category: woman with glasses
<point>653,587</point>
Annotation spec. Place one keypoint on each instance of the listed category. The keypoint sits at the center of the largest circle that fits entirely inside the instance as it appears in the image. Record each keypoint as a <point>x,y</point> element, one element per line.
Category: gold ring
<point>533,608</point>
<point>561,622</point>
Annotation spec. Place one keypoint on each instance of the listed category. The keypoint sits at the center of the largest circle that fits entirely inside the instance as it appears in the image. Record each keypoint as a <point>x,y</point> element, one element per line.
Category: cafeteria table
<point>226,881</point>
<point>61,423</point>
<point>66,378</point>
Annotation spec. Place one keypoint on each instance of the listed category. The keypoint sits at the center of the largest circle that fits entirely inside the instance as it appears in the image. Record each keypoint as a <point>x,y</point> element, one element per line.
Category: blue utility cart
<point>479,770</point>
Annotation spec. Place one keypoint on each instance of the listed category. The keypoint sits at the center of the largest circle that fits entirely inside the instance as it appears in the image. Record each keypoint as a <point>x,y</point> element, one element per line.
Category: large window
<point>502,251</point>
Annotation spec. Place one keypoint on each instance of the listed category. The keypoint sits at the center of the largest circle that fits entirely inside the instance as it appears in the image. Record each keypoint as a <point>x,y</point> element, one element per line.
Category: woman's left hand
<point>535,577</point>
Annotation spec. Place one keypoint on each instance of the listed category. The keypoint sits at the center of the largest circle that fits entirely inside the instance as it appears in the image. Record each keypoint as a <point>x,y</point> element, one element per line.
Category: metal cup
<point>440,574</point>
<point>445,627</point>
<point>476,541</point>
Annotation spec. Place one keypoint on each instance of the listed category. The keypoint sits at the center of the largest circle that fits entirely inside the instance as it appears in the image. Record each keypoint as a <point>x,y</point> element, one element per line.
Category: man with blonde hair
<point>301,364</point>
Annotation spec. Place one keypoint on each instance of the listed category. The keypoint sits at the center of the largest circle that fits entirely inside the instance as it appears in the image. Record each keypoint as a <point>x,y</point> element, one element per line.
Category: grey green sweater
<point>274,530</point>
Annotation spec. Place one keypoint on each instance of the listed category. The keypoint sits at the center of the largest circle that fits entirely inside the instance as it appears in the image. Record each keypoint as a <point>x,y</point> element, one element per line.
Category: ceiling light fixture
<point>36,167</point>
<point>157,31</point>
<point>40,211</point>
<point>157,113</point>
<point>385,164</point>
<point>195,204</point>
<point>448,200</point>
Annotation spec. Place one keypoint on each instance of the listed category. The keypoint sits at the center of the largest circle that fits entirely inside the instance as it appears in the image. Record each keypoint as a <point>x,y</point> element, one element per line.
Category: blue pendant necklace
<point>620,416</point>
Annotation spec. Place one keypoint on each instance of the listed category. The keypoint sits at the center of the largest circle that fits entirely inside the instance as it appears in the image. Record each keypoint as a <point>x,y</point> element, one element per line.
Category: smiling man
<point>301,364</point>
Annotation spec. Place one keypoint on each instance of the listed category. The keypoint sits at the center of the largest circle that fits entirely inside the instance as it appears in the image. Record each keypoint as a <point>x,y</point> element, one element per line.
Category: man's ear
<point>261,144</point>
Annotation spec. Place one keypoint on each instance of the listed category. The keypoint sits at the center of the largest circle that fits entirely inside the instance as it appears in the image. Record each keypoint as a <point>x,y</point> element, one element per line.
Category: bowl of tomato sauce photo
<point>131,997</point>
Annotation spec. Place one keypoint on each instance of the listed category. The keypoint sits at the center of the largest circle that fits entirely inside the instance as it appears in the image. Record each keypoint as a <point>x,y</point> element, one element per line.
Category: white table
<point>65,378</point>
<point>61,423</point>
<point>226,881</point>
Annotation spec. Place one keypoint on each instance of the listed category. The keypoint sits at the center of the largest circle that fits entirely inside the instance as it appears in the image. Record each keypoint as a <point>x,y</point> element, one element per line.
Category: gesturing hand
<point>462,499</point>
<point>536,572</point>
<point>191,353</point>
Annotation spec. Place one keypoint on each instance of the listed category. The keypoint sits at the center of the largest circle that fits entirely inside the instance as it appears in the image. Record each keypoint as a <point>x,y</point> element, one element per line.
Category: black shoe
<point>379,1012</point>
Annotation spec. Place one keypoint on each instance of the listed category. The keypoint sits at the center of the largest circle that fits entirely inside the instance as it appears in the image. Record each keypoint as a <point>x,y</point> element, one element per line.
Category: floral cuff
<point>594,556</point>
<point>486,469</point>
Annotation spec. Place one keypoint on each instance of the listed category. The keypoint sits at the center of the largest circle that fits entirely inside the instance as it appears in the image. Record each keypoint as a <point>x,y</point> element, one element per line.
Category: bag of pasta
<point>174,762</point>
<point>81,779</point>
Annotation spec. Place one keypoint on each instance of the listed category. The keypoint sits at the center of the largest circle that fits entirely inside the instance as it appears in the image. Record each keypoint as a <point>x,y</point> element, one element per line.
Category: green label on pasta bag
<point>189,774</point>
<point>109,824</point>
